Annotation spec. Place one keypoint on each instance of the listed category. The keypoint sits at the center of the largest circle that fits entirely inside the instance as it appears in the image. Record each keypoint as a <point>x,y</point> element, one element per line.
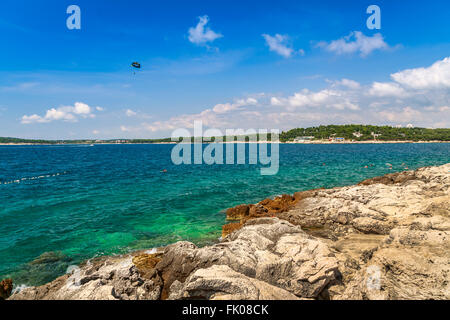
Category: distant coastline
<point>226,142</point>
<point>331,134</point>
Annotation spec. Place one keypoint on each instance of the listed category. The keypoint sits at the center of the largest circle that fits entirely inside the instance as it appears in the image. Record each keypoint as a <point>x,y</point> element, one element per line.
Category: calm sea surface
<point>60,205</point>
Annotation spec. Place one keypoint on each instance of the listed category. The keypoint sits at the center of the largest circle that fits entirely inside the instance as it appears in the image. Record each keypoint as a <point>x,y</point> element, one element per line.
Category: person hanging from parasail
<point>135,65</point>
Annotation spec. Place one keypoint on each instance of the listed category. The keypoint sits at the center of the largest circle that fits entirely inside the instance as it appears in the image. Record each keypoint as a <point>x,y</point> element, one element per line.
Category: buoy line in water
<point>33,178</point>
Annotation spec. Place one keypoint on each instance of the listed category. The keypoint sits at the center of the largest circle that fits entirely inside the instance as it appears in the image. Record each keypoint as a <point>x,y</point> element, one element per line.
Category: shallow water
<point>60,205</point>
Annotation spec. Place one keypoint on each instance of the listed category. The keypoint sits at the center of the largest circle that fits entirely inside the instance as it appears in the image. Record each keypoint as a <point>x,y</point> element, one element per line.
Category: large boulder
<point>267,249</point>
<point>220,282</point>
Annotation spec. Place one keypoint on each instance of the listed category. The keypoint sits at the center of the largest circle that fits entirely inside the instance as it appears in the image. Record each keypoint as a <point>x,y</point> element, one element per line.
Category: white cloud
<point>407,114</point>
<point>31,119</point>
<point>95,132</point>
<point>356,41</point>
<point>99,108</point>
<point>387,89</point>
<point>224,107</point>
<point>80,108</point>
<point>351,84</point>
<point>227,107</point>
<point>278,44</point>
<point>201,34</point>
<point>328,98</point>
<point>399,101</point>
<point>345,105</point>
<point>130,113</point>
<point>434,77</point>
<point>64,113</point>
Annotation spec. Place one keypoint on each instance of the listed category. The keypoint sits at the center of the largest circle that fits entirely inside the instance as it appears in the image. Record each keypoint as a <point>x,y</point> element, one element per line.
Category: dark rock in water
<point>48,257</point>
<point>6,287</point>
<point>43,269</point>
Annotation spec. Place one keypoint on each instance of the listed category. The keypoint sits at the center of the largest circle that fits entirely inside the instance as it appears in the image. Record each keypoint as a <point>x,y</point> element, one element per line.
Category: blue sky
<point>232,64</point>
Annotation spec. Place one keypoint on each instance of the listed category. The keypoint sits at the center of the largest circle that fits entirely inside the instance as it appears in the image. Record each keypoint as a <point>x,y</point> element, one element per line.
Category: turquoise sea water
<point>60,205</point>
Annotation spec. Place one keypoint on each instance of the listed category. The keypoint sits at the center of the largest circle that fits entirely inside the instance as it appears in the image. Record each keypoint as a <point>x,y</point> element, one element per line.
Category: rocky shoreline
<point>385,238</point>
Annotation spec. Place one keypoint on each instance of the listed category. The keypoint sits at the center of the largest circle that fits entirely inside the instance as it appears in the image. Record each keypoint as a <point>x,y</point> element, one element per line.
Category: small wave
<point>19,288</point>
<point>71,269</point>
<point>75,277</point>
<point>151,251</point>
<point>33,178</point>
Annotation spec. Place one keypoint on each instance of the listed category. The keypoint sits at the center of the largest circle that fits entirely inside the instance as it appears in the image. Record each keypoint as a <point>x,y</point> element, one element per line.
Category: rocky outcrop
<point>374,208</point>
<point>266,249</point>
<point>6,287</point>
<point>391,178</point>
<point>386,238</point>
<point>390,235</point>
<point>220,282</point>
<point>110,278</point>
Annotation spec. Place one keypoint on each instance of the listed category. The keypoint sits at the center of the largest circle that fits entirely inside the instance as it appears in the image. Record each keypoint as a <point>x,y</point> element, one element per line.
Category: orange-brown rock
<point>229,228</point>
<point>279,204</point>
<point>145,263</point>
<point>238,212</point>
<point>265,208</point>
<point>257,211</point>
<point>6,287</point>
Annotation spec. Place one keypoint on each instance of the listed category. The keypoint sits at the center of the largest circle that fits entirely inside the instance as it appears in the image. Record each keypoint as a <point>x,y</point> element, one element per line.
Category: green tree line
<point>349,132</point>
<point>368,132</point>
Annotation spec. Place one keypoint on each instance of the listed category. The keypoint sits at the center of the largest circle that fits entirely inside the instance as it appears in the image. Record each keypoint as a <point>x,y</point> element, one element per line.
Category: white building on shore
<point>304,139</point>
